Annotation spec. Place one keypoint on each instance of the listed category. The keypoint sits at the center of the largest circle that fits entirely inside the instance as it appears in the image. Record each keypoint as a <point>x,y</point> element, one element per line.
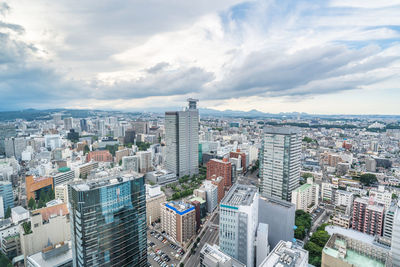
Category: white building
<point>212,256</point>
<point>52,141</point>
<point>145,161</point>
<point>306,196</point>
<point>212,195</point>
<point>280,162</point>
<point>286,254</point>
<point>131,163</point>
<point>345,199</point>
<point>19,214</point>
<point>182,140</point>
<point>238,223</point>
<point>381,196</point>
<point>327,191</point>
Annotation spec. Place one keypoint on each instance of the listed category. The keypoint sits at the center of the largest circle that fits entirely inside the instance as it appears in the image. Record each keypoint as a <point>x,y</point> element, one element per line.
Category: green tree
<point>8,213</point>
<point>367,179</point>
<point>320,238</point>
<point>86,149</point>
<point>306,175</point>
<point>31,204</point>
<point>394,196</point>
<point>120,162</point>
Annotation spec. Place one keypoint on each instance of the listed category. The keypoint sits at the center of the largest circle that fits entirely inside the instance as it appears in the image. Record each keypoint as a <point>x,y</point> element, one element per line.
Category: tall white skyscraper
<point>280,162</point>
<point>182,140</point>
<point>396,239</point>
<point>238,223</point>
<point>68,124</point>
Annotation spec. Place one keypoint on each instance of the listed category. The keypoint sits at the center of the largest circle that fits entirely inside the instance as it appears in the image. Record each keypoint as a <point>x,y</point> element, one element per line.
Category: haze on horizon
<point>321,57</point>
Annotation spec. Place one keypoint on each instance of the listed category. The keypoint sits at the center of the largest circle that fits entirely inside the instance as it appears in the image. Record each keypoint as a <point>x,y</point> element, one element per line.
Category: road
<point>209,235</point>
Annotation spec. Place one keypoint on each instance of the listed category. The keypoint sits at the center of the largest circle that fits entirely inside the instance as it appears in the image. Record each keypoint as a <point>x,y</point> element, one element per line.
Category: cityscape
<point>228,133</point>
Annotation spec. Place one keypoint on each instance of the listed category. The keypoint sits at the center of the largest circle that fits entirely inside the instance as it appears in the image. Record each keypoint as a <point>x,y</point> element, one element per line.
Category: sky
<point>321,57</point>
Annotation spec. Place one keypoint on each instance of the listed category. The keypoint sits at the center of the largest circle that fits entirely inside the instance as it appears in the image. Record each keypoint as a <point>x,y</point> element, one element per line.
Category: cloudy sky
<point>328,56</point>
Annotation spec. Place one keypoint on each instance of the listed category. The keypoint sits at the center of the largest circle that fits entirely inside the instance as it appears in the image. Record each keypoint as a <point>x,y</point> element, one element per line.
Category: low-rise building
<point>161,177</point>
<point>286,254</point>
<point>212,256</point>
<point>343,251</point>
<point>306,196</point>
<point>58,255</point>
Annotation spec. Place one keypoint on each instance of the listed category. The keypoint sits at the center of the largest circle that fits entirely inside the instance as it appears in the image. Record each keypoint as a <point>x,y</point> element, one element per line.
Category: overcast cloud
<point>230,54</point>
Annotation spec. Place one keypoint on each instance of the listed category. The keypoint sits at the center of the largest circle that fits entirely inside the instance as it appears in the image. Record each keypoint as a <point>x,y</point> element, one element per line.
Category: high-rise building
<point>67,124</point>
<point>178,220</point>
<point>240,155</point>
<point>131,163</point>
<point>381,196</point>
<point>221,168</point>
<point>36,185</point>
<point>108,221</point>
<point>6,194</point>
<point>129,136</point>
<point>368,216</point>
<point>145,161</point>
<point>6,131</point>
<point>280,162</point>
<point>182,140</point>
<point>238,223</point>
<point>14,147</point>
<point>83,124</point>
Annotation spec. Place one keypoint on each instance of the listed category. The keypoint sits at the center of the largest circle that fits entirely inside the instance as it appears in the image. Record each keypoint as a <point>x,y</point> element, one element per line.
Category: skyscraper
<point>83,124</point>
<point>238,223</point>
<point>108,222</point>
<point>6,131</point>
<point>182,140</point>
<point>280,162</point>
<point>67,124</point>
<point>6,193</point>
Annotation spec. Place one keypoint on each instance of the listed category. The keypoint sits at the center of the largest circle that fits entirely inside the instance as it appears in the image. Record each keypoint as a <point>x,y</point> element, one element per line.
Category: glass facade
<point>108,222</point>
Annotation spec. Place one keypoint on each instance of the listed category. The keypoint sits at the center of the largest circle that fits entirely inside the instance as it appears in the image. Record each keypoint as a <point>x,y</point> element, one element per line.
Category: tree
<point>320,238</point>
<point>367,179</point>
<point>120,162</point>
<point>306,175</point>
<point>86,149</point>
<point>31,204</point>
<point>307,139</point>
<point>8,213</point>
<point>394,196</point>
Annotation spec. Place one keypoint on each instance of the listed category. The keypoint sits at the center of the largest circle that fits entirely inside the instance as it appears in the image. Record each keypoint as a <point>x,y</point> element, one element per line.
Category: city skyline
<point>317,57</point>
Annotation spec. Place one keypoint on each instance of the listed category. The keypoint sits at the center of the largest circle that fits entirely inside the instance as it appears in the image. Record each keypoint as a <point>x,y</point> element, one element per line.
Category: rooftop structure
<point>286,254</point>
<point>212,256</point>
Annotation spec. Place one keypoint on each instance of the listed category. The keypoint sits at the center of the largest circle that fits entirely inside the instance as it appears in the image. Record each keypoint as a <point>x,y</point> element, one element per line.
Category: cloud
<point>56,54</point>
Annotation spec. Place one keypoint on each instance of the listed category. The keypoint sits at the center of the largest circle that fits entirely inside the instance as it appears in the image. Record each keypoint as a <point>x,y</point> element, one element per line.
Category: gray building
<point>238,223</point>
<point>63,177</point>
<point>14,146</point>
<point>212,256</point>
<point>6,131</point>
<point>388,222</point>
<point>280,217</point>
<point>280,162</point>
<point>182,140</point>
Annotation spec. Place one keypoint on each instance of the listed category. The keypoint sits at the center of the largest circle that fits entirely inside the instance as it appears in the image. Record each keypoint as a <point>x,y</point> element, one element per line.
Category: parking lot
<point>161,251</point>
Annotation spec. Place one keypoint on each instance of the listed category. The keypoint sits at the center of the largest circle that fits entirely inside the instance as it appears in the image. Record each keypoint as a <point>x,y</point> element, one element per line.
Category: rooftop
<point>86,185</point>
<point>179,207</point>
<point>199,199</point>
<point>281,130</point>
<point>285,254</point>
<point>240,195</point>
<point>19,210</point>
<point>303,188</point>
<point>59,255</point>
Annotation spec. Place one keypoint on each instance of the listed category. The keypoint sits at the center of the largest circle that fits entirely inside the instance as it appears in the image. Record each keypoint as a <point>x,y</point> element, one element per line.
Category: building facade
<point>280,162</point>
<point>182,140</point>
<point>221,168</point>
<point>108,222</point>
<point>238,223</point>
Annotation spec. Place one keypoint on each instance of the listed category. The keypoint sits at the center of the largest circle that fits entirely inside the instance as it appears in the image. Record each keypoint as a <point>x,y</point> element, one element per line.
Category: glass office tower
<point>108,222</point>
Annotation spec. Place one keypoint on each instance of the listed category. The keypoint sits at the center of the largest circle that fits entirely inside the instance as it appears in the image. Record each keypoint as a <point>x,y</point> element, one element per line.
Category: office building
<point>306,197</point>
<point>19,214</point>
<point>344,251</point>
<point>67,124</point>
<point>84,169</point>
<point>182,140</point>
<point>212,256</point>
<point>6,197</point>
<point>113,211</point>
<point>131,163</point>
<point>129,137</point>
<point>370,165</point>
<point>367,216</point>
<point>14,147</point>
<point>34,186</point>
<point>238,223</point>
<point>11,246</point>
<point>161,177</point>
<point>220,168</point>
<point>219,182</point>
<point>52,141</point>
<point>286,254</point>
<point>327,192</point>
<point>83,124</point>
<point>6,131</point>
<point>121,153</point>
<point>178,220</point>
<point>395,245</point>
<point>154,197</point>
<point>271,212</point>
<point>280,162</point>
<point>262,245</point>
